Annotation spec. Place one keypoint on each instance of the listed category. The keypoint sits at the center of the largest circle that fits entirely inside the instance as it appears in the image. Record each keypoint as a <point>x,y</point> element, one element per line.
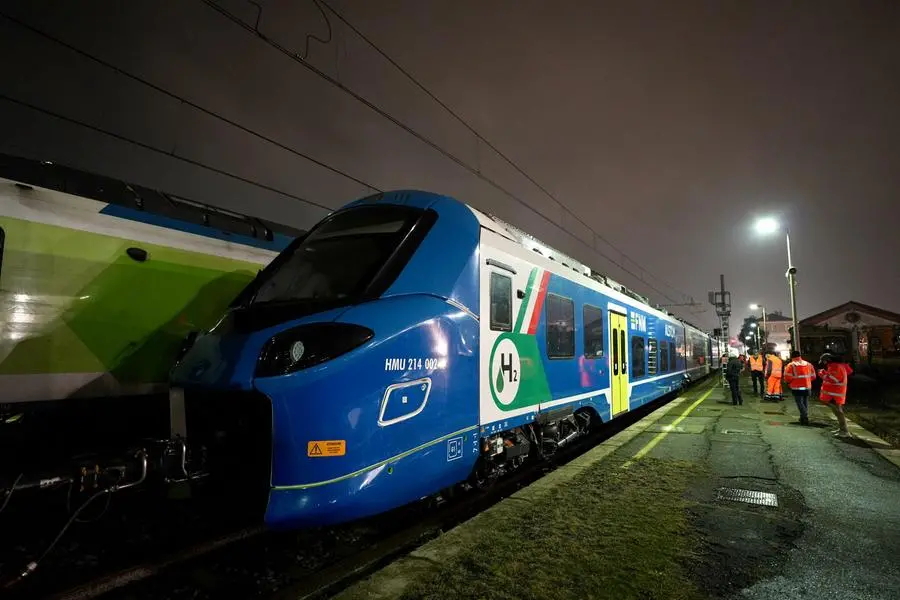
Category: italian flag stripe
<point>539,303</point>
<point>523,308</point>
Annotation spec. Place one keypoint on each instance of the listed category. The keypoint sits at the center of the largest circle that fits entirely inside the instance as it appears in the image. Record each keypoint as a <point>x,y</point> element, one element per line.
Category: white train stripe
<point>59,386</point>
<point>83,214</point>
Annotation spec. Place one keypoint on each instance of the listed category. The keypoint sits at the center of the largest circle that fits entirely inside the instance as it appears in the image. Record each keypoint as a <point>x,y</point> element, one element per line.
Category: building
<point>872,334</point>
<point>778,333</point>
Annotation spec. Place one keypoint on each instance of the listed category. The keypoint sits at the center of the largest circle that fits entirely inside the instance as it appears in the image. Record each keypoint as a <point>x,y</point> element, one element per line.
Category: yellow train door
<point>618,376</point>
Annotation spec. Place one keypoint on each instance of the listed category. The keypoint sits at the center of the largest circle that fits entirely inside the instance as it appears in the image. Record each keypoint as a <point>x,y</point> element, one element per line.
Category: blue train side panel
<point>400,406</point>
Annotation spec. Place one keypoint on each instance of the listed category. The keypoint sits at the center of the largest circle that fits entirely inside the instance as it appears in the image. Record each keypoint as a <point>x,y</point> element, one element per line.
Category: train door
<point>618,358</point>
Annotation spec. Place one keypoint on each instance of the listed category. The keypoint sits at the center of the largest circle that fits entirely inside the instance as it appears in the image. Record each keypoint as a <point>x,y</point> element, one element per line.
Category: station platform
<point>699,499</point>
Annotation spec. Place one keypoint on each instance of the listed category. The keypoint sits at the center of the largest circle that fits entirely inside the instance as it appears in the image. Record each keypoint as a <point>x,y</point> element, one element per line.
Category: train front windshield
<point>339,258</point>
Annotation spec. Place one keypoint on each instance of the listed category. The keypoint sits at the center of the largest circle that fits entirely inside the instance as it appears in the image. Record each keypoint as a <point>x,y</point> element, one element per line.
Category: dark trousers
<point>735,385</point>
<point>801,397</point>
<point>757,376</point>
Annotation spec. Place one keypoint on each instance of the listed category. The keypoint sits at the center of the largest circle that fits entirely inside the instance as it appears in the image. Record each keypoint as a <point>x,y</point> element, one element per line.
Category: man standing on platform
<point>733,377</point>
<point>799,374</point>
<point>835,375</point>
<point>756,373</point>
<point>773,377</point>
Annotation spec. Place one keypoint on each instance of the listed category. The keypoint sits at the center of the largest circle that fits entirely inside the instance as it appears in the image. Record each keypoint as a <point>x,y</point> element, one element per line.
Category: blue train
<point>406,344</point>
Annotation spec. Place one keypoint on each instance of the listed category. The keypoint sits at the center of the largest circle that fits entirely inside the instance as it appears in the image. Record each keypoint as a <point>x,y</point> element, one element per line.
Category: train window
<point>663,356</point>
<point>697,350</point>
<point>501,302</point>
<point>637,356</point>
<point>339,259</point>
<point>593,331</point>
<point>672,356</point>
<point>560,327</point>
<point>651,356</point>
<point>835,345</point>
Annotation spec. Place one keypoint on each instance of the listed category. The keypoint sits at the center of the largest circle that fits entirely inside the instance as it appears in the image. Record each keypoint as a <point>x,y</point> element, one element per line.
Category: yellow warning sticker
<point>326,448</point>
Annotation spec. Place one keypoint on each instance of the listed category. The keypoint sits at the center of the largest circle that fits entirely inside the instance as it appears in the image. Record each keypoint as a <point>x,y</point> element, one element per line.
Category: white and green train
<point>100,282</point>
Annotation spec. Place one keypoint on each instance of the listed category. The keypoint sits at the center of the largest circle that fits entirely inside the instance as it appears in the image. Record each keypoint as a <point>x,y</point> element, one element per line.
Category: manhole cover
<point>748,496</point>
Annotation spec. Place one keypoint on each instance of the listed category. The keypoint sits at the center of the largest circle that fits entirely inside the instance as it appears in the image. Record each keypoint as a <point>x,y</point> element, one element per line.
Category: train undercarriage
<point>508,450</point>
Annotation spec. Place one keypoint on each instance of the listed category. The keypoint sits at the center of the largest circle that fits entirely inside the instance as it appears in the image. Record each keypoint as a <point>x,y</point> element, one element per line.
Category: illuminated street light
<point>765,335</point>
<point>766,226</point>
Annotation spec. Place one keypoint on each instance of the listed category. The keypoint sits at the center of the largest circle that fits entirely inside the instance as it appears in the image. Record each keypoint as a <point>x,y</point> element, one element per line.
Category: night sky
<point>665,126</point>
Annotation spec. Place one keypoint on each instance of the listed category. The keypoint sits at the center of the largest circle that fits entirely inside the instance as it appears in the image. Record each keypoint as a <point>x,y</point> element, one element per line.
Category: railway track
<point>252,562</point>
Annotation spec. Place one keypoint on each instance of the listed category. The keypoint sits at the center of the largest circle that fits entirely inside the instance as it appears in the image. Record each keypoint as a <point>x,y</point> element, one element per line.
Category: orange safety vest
<point>774,366</point>
<point>756,364</point>
<point>799,374</point>
<point>834,382</point>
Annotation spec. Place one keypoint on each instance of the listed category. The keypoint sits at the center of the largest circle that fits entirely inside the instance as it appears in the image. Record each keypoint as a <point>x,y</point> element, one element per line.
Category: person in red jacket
<point>835,374</point>
<point>799,375</point>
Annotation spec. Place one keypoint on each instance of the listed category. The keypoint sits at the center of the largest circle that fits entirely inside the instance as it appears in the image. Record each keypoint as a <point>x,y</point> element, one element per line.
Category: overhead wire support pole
<point>792,284</point>
<point>722,301</point>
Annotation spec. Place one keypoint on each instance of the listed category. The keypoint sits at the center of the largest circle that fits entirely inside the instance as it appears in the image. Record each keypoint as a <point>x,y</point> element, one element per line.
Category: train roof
<point>493,223</point>
<point>530,242</point>
<point>61,178</point>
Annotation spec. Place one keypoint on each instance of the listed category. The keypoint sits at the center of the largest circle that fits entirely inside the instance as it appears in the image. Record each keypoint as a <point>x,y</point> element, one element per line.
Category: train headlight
<point>297,349</point>
<point>309,345</point>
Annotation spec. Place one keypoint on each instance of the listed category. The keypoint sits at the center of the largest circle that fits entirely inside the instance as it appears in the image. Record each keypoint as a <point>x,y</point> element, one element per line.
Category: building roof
<point>851,306</point>
<point>776,317</point>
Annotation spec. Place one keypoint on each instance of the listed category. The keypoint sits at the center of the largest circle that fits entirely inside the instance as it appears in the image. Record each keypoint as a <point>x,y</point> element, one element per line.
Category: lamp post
<point>768,225</point>
<point>765,336</point>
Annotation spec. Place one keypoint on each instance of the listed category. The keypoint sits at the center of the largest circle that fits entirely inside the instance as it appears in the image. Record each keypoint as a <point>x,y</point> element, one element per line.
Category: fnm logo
<point>638,322</point>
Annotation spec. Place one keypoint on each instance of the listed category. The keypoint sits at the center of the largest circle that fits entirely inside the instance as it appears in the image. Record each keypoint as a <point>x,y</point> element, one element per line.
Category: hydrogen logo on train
<point>638,322</point>
<point>506,368</point>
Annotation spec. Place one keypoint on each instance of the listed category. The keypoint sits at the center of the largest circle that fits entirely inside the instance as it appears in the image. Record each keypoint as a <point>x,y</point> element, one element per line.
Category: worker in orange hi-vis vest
<point>799,374</point>
<point>757,366</point>
<point>835,375</point>
<point>773,377</point>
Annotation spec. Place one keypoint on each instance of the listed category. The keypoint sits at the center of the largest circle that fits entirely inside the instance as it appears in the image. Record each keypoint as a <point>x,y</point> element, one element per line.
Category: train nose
<point>229,439</point>
<point>214,361</point>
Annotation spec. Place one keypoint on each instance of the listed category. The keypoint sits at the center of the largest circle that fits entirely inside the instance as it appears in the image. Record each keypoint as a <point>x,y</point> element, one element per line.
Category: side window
<point>663,356</point>
<point>672,355</point>
<point>651,356</point>
<point>637,356</point>
<point>501,302</point>
<point>560,327</point>
<point>593,332</point>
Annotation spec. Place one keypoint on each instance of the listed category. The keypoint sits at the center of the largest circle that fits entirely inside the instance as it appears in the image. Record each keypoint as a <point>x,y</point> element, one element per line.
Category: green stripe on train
<point>75,302</point>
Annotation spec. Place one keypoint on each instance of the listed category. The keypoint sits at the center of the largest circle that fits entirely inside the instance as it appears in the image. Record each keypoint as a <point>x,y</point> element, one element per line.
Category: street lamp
<point>766,226</point>
<point>765,335</point>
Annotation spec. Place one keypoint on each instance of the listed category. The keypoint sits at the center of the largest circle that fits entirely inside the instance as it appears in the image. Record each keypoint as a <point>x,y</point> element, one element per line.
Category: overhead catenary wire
<point>209,112</point>
<point>146,146</point>
<point>474,171</point>
<point>10,491</point>
<point>487,142</point>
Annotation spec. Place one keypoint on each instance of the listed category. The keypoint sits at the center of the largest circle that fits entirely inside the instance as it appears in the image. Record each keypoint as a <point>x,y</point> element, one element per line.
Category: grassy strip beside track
<point>608,533</point>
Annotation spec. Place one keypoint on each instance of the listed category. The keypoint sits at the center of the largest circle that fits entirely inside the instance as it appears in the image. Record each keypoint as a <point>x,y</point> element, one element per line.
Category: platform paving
<point>826,523</point>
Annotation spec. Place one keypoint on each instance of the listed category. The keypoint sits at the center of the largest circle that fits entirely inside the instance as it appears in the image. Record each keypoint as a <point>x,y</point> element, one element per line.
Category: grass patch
<point>883,421</point>
<point>608,533</point>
